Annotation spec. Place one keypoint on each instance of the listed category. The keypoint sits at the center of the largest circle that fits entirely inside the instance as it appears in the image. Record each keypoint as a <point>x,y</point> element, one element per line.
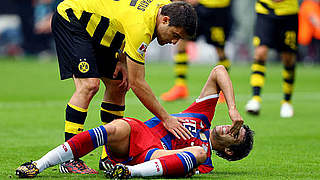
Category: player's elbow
<point>136,83</point>
<point>219,68</point>
<point>217,71</point>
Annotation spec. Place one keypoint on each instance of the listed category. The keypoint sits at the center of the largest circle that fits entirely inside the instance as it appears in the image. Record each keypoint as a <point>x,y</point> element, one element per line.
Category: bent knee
<point>288,58</point>
<point>110,128</point>
<point>219,68</point>
<point>261,53</point>
<point>93,86</point>
<point>117,130</point>
<point>89,86</point>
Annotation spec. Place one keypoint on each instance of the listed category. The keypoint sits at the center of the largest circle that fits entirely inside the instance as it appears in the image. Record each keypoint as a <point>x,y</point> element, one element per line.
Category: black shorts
<point>215,24</point>
<point>78,54</point>
<point>278,32</point>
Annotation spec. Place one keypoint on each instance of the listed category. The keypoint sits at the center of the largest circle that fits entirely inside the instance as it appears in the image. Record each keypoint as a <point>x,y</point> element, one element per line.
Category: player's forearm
<point>144,92</point>
<point>225,84</point>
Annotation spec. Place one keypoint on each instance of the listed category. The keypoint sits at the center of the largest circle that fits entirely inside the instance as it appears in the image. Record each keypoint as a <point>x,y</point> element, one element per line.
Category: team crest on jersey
<point>143,48</point>
<point>203,137</point>
<point>83,66</point>
<point>205,147</point>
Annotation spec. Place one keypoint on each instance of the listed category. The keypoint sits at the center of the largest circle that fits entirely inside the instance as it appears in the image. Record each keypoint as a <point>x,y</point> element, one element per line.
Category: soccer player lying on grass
<point>148,149</point>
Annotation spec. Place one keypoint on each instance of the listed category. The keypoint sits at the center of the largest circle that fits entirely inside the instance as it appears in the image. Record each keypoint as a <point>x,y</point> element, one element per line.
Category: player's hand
<point>122,67</point>
<point>237,122</point>
<point>174,125</point>
<point>192,172</point>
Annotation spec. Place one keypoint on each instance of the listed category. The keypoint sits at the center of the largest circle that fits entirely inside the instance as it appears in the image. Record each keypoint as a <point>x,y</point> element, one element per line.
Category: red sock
<point>81,144</point>
<point>177,164</point>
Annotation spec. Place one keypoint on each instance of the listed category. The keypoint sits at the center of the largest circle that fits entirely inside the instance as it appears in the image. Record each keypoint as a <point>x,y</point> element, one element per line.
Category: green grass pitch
<point>33,99</point>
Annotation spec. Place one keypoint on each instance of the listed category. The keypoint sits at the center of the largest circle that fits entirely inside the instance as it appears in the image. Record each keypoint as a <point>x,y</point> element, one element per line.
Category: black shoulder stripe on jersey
<point>84,19</point>
<point>101,29</point>
<point>271,11</point>
<point>134,59</point>
<point>71,15</point>
<point>117,40</point>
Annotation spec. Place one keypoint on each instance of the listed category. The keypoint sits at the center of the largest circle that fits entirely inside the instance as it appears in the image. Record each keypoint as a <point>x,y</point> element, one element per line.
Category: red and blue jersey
<point>198,117</point>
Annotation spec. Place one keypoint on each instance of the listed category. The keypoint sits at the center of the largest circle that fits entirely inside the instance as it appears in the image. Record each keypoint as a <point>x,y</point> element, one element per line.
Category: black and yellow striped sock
<point>75,118</point>
<point>108,113</point>
<point>288,75</point>
<point>181,67</point>
<point>257,78</point>
<point>225,62</point>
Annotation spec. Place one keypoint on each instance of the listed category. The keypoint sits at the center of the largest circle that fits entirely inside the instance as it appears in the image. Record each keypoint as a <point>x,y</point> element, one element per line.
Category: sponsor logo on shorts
<point>157,166</point>
<point>64,147</point>
<point>83,66</point>
<point>143,48</point>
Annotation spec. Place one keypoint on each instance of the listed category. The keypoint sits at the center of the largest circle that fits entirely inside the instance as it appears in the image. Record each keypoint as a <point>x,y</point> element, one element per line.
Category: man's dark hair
<point>240,150</point>
<point>182,15</point>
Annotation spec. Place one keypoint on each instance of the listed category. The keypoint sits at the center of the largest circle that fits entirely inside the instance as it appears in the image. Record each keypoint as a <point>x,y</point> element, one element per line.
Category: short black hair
<point>240,150</point>
<point>182,15</point>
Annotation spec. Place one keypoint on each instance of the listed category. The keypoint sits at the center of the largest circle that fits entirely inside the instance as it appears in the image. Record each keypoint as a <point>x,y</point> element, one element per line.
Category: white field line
<point>310,96</point>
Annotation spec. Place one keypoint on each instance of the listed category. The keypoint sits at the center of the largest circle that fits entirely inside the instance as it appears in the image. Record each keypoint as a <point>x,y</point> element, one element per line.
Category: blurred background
<point>25,31</point>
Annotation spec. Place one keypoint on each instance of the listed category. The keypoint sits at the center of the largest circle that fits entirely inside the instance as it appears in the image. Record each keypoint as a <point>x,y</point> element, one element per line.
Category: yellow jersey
<point>283,8</point>
<point>135,19</point>
<point>215,3</point>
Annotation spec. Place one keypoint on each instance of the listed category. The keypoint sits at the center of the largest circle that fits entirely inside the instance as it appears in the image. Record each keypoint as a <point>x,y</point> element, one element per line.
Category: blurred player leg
<point>288,75</point>
<point>257,79</point>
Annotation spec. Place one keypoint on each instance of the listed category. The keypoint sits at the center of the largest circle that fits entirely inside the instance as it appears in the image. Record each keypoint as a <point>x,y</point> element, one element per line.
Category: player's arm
<point>219,80</point>
<point>144,92</point>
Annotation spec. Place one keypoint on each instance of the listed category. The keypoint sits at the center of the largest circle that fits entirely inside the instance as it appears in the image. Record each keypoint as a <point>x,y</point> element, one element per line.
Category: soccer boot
<point>105,164</point>
<point>253,107</point>
<point>286,110</point>
<point>175,93</point>
<point>119,171</point>
<point>76,166</point>
<point>221,99</point>
<point>27,170</point>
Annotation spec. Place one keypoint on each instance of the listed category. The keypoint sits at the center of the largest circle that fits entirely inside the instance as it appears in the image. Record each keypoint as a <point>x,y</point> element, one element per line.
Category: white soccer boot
<point>286,110</point>
<point>253,107</point>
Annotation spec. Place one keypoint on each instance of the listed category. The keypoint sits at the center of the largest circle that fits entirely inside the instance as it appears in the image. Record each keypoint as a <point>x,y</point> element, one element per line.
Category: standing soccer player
<point>214,23</point>
<point>276,27</point>
<point>107,40</point>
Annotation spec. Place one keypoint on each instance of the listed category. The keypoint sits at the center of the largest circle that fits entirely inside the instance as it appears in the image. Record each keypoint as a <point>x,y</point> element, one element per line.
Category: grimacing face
<point>222,138</point>
<point>169,34</point>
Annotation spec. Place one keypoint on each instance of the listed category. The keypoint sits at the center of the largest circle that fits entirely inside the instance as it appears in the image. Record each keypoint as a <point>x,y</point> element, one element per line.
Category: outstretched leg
<point>168,163</point>
<point>80,145</point>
